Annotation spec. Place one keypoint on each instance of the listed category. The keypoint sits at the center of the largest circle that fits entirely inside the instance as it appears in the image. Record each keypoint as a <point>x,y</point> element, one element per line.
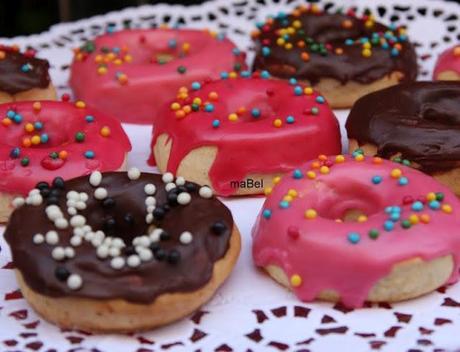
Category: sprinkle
<point>284,204</point>
<point>276,180</point>
<point>25,161</point>
<point>434,204</point>
<point>215,123</point>
<point>150,189</point>
<point>58,253</point>
<point>277,123</point>
<point>38,238</point>
<point>255,112</point>
<point>79,137</point>
<point>425,218</point>
<point>89,154</point>
<point>74,282</point>
<point>297,174</point>
<point>167,177</point>
<point>100,193</point>
<point>44,138</point>
<point>233,117</point>
<point>324,170</point>
<point>296,280</point>
<point>417,206</point>
<point>17,118</point>
<point>314,110</point>
<point>414,219</point>
<point>320,99</point>
<point>339,159</point>
<point>80,104</point>
<point>311,175</point>
<point>403,181</point>
<point>52,237</point>
<point>373,234</point>
<point>205,192</point>
<point>267,214</point>
<point>89,118</point>
<point>431,196</point>
<point>388,225</point>
<point>396,173</point>
<point>264,74</point>
<point>308,90</point>
<point>359,157</point>
<point>196,85</point>
<point>290,119</point>
<point>15,152</point>
<point>446,208</point>
<point>186,237</point>
<point>105,131</point>
<point>310,214</point>
<point>95,178</point>
<point>354,237</point>
<point>184,198</point>
<point>134,173</point>
<point>376,180</point>
<point>298,90</point>
<point>38,125</point>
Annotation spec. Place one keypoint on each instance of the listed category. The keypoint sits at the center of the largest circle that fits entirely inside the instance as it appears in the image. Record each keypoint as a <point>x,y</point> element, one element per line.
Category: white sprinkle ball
<point>52,237</point>
<point>77,221</point>
<point>205,192</point>
<point>184,198</point>
<point>180,181</point>
<point>117,263</point>
<point>74,282</point>
<point>61,223</point>
<point>133,261</point>
<point>95,178</point>
<point>38,238</point>
<point>167,177</point>
<point>169,186</point>
<point>134,173</point>
<point>186,237</point>
<point>150,189</point>
<point>58,253</point>
<point>18,202</point>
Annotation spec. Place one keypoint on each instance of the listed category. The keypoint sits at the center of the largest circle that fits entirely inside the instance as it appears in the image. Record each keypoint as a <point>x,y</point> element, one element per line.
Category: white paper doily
<point>250,312</point>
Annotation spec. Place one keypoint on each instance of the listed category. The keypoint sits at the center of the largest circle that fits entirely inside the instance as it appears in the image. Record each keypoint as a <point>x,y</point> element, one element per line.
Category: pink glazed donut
<point>448,65</point>
<point>129,74</point>
<point>357,229</point>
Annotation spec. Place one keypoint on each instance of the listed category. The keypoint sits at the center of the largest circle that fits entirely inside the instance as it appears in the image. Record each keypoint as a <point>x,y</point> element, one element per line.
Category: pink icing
<point>319,250</point>
<point>449,60</point>
<point>251,145</point>
<point>134,88</point>
<point>61,122</point>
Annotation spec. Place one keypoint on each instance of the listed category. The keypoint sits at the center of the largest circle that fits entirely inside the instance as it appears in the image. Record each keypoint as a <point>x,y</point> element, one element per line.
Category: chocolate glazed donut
<point>311,45</point>
<point>416,123</point>
<point>121,237</point>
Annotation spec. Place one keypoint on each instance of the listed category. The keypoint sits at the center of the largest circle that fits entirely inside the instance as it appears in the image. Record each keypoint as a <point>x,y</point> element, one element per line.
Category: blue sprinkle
<point>245,74</point>
<point>38,125</point>
<point>266,51</point>
<point>297,174</point>
<point>388,210</point>
<point>236,51</point>
<point>290,119</point>
<point>281,15</point>
<point>10,114</point>
<point>356,153</point>
<point>385,46</point>
<point>172,43</point>
<point>89,154</point>
<point>417,206</point>
<point>255,112</point>
<point>267,214</point>
<point>215,123</point>
<point>389,225</point>
<point>298,90</point>
<point>286,37</point>
<point>260,24</point>
<point>396,209</point>
<point>196,85</point>
<point>44,138</point>
<point>394,52</point>
<point>364,40</point>
<point>292,81</point>
<point>116,50</point>
<point>264,74</point>
<point>320,99</point>
<point>349,42</point>
<point>392,26</point>
<point>402,38</point>
<point>26,68</point>
<point>17,118</point>
<point>224,75</point>
<point>110,29</point>
<point>434,204</point>
<point>354,237</point>
<point>221,36</point>
<point>209,107</point>
<point>15,152</point>
<point>376,180</point>
<point>314,110</point>
<point>284,204</point>
<point>403,181</point>
<point>395,216</point>
<point>89,118</point>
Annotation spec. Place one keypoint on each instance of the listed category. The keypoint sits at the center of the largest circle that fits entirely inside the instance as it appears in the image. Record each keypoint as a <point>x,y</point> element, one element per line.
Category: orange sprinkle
<point>315,164</point>
<point>26,142</point>
<point>128,58</point>
<point>339,159</point>
<point>241,110</point>
<point>457,51</point>
<point>186,47</point>
<point>63,154</point>
<point>187,109</point>
<point>347,24</point>
<point>213,96</point>
<point>425,218</point>
<point>339,51</point>
<point>305,56</point>
<point>118,62</point>
<point>396,173</point>
<point>80,104</point>
<point>322,157</point>
<point>180,114</point>
<point>2,55</point>
<point>6,122</point>
<point>233,117</point>
<point>28,127</point>
<point>105,131</point>
<point>301,44</point>
<point>277,123</point>
<point>377,160</point>
<point>308,90</point>
<point>37,106</point>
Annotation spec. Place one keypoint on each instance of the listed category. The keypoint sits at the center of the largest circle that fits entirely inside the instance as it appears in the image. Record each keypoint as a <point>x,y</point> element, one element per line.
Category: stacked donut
<point>112,251</point>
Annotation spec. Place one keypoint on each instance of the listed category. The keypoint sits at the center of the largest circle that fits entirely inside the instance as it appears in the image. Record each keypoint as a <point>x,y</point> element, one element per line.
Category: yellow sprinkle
<point>366,53</point>
<point>288,198</point>
<point>280,41</point>
<point>28,127</point>
<point>359,157</point>
<point>367,45</point>
<point>292,193</point>
<point>37,106</point>
<point>186,47</point>
<point>268,191</point>
<point>98,59</point>
<point>233,117</point>
<point>175,106</point>
<point>128,58</point>
<point>369,24</point>
<point>290,30</point>
<point>80,104</point>
<point>288,46</point>
<point>339,159</point>
<point>311,175</point>
<point>362,218</point>
<point>324,170</point>
<point>396,173</point>
<point>431,196</point>
<point>276,180</point>
<point>310,214</point>
<point>102,70</point>
<point>35,139</point>
<point>118,62</point>
<point>105,131</point>
<point>197,101</point>
<point>297,24</point>
<point>296,280</point>
<point>414,219</point>
<point>308,90</point>
<point>233,74</point>
<point>277,123</point>
<point>446,208</point>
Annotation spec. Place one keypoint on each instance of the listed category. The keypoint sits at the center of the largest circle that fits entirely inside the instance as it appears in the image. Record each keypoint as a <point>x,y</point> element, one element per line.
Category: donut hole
<point>348,203</point>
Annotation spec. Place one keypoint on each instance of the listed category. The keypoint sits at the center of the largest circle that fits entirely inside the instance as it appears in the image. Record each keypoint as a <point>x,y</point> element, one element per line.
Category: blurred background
<point>23,17</point>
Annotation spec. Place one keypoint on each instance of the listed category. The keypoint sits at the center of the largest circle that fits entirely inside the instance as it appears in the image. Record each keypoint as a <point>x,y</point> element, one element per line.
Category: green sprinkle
<point>374,233</point>
<point>181,69</point>
<point>25,161</point>
<point>439,196</point>
<point>79,137</point>
<point>405,224</point>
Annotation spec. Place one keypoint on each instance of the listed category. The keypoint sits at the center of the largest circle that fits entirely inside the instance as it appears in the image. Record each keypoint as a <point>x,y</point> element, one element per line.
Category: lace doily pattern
<point>250,312</point>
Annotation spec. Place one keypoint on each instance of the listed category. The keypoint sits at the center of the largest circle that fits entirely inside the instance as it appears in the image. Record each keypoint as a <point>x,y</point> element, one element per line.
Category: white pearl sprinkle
<point>150,208</point>
<point>75,241</point>
<point>150,201</point>
<point>117,263</point>
<point>89,236</point>
<point>144,241</point>
<point>145,254</point>
<point>134,173</point>
<point>100,193</point>
<point>84,196</point>
<point>108,241</point>
<point>52,237</point>
<point>118,242</point>
<point>180,181</point>
<point>74,282</point>
<point>18,202</point>
<point>86,228</point>
<point>102,252</point>
<point>167,177</point>
<point>72,211</point>
<point>170,186</point>
<point>69,252</point>
<point>133,261</point>
<point>80,205</point>
<point>34,191</point>
<point>149,218</point>
<point>150,189</point>
<point>77,221</point>
<point>78,232</point>
<point>38,238</point>
<point>184,198</point>
<point>61,223</point>
<point>95,178</point>
<point>155,235</point>
<point>58,253</point>
<point>72,195</point>
<point>205,192</point>
<point>71,203</point>
<point>114,251</point>
<point>35,199</point>
<point>96,242</point>
<point>186,237</point>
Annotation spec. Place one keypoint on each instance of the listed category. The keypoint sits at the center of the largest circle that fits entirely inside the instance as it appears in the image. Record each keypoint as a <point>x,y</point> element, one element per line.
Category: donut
<point>144,251</point>
<point>235,134</point>
<point>357,229</point>
<point>45,139</point>
<point>447,66</point>
<point>415,124</point>
<point>24,76</point>
<point>131,73</point>
<point>343,55</point>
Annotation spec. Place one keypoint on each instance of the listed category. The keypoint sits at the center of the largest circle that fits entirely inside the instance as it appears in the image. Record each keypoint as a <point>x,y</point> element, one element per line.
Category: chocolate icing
<point>349,66</point>
<point>13,80</point>
<point>420,120</point>
<point>144,283</point>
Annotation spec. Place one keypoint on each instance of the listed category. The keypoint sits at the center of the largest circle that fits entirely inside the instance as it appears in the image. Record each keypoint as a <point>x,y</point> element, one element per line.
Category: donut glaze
<point>22,71</point>
<point>417,121</point>
<point>406,214</point>
<point>259,126</point>
<point>449,60</point>
<point>131,73</point>
<point>310,44</point>
<point>176,265</point>
<point>41,140</point>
